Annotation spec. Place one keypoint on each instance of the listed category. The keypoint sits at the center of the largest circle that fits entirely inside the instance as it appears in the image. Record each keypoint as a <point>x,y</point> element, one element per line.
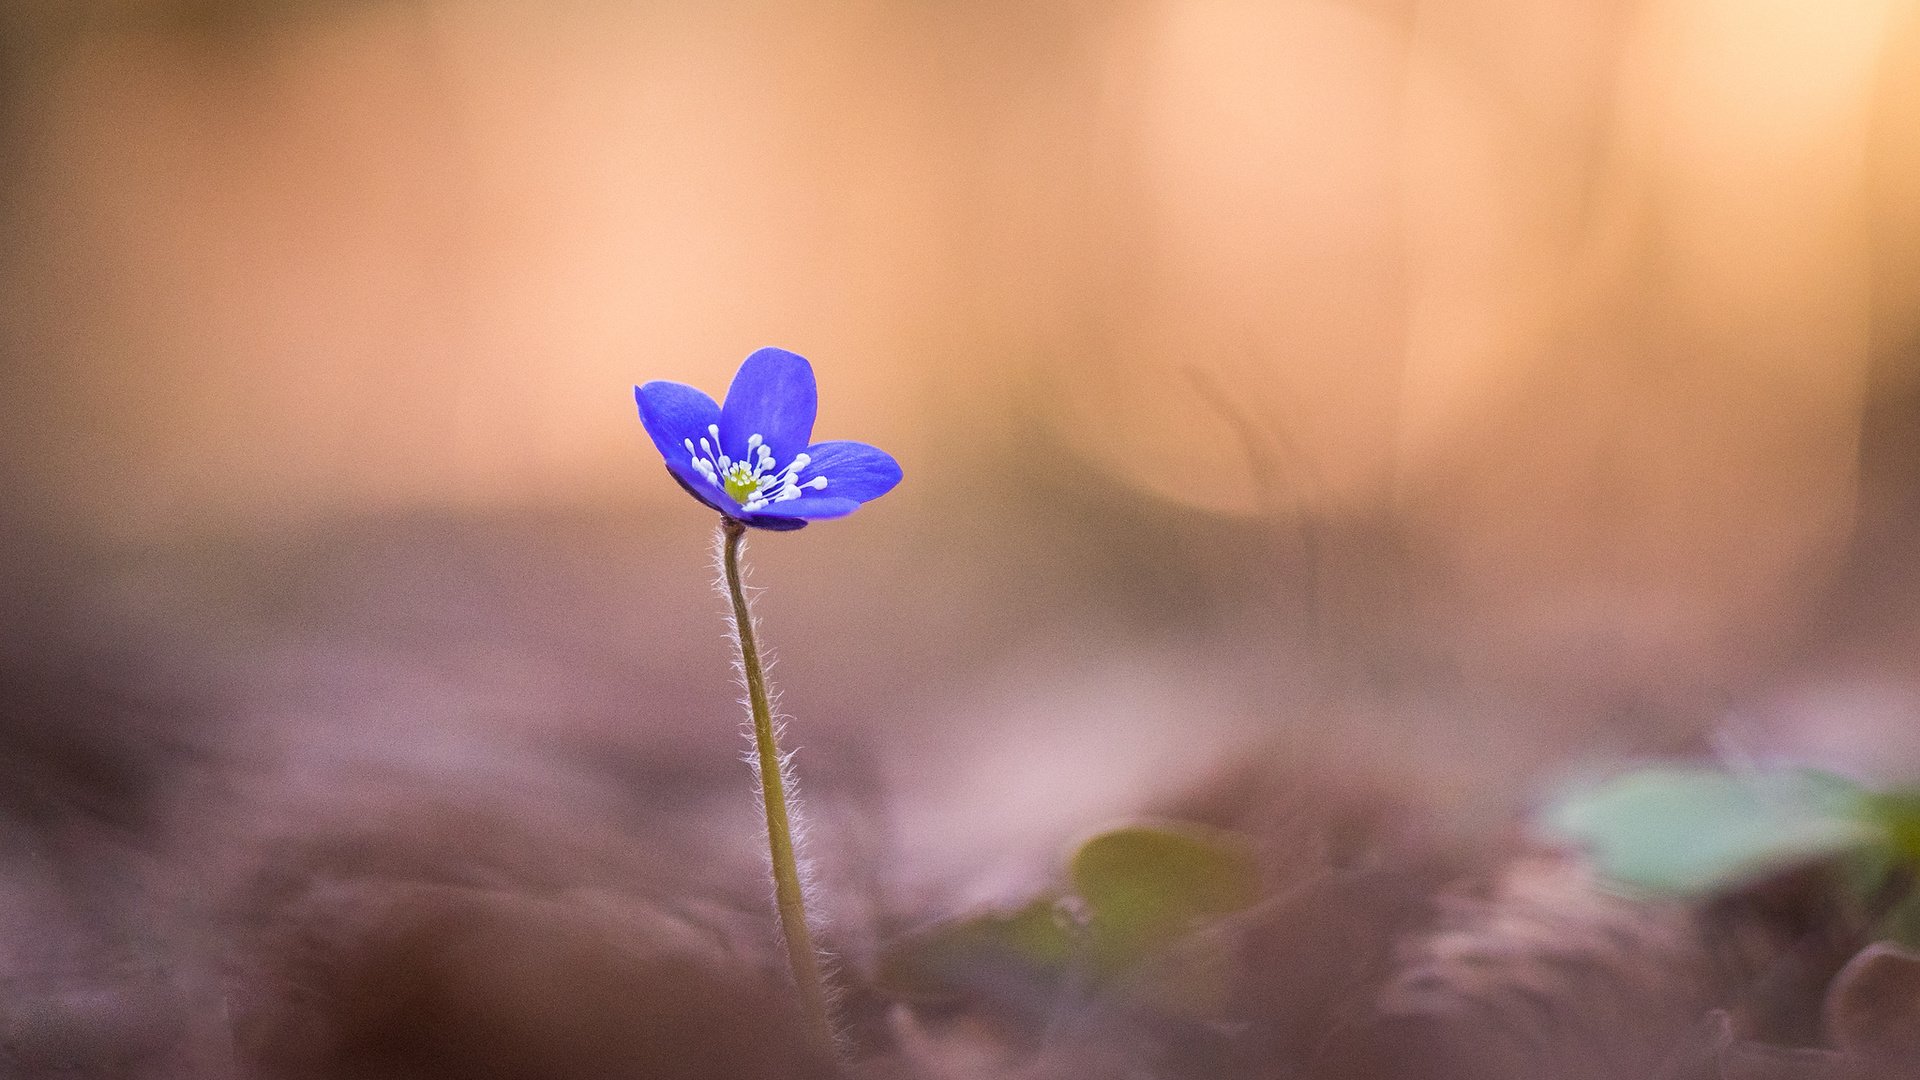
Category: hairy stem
<point>773,791</point>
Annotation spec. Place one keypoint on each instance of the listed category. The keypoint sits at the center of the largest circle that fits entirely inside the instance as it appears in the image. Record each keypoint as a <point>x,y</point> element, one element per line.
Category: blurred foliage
<point>1688,831</point>
<point>1146,887</point>
<point>1015,957</point>
<point>1135,899</point>
<point>1693,830</point>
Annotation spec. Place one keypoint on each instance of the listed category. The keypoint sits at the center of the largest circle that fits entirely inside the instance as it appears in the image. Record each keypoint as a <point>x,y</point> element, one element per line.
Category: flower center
<point>753,482</point>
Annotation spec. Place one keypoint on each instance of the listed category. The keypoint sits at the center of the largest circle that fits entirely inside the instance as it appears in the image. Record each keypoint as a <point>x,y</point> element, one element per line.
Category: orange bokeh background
<point>1565,347</point>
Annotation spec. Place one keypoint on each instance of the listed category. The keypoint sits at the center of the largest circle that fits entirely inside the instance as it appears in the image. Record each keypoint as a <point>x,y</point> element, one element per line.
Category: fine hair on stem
<point>776,783</point>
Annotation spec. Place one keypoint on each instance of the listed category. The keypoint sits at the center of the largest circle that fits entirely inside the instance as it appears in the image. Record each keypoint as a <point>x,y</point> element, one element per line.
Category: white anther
<point>764,485</point>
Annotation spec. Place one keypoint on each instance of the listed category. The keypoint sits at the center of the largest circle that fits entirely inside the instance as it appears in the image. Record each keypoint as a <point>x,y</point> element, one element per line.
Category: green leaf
<point>1694,830</point>
<point>1899,812</point>
<point>1147,886</point>
<point>1015,957</point>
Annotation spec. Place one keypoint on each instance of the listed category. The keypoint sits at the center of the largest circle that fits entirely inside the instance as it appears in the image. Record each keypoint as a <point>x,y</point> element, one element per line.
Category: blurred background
<point>1473,390</point>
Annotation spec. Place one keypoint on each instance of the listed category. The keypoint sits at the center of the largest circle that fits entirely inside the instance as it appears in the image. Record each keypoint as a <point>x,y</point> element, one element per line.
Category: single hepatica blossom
<point>752,458</point>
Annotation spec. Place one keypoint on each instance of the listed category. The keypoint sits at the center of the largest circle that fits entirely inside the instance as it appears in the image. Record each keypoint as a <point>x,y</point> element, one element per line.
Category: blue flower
<point>752,459</point>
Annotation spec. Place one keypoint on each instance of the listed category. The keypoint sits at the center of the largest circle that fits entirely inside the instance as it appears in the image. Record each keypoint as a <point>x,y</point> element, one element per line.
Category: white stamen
<point>755,477</point>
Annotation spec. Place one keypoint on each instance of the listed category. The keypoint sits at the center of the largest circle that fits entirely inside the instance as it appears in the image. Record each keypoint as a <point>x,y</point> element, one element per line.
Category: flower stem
<point>787,893</point>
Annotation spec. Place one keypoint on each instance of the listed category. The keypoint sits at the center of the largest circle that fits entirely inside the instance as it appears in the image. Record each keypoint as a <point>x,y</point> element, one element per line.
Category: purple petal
<point>696,485</point>
<point>772,522</point>
<point>672,413</point>
<point>805,508</point>
<point>772,396</point>
<point>853,470</point>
